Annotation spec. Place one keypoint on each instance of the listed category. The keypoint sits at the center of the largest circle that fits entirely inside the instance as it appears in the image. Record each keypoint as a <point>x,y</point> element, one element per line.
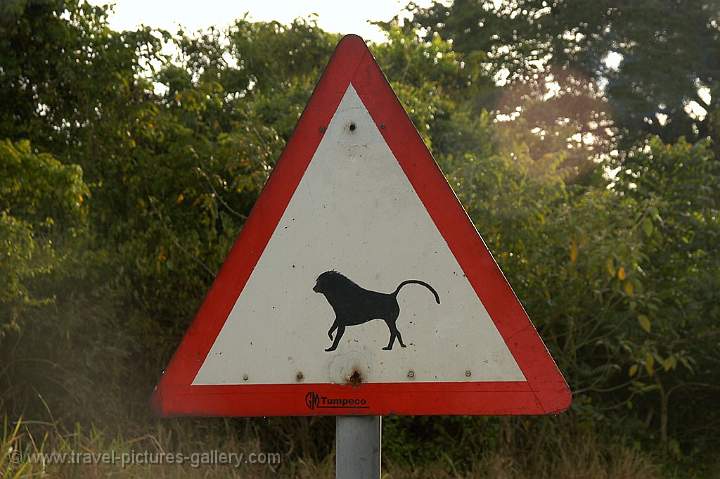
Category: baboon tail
<point>421,283</point>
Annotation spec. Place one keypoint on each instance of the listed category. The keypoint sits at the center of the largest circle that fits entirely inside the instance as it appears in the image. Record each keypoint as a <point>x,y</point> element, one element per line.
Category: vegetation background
<point>581,136</point>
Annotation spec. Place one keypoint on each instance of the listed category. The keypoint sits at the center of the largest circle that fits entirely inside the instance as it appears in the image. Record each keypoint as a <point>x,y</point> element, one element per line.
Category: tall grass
<point>25,444</point>
<point>15,449</point>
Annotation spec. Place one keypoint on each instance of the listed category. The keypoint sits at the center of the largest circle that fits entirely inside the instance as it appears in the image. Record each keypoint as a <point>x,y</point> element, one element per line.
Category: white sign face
<point>356,213</point>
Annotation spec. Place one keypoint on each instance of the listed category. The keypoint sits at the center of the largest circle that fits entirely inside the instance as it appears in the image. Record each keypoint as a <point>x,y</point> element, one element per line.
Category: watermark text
<point>143,458</point>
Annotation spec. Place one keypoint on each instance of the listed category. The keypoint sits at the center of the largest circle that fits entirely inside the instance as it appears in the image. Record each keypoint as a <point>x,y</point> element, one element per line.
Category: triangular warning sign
<point>358,284</point>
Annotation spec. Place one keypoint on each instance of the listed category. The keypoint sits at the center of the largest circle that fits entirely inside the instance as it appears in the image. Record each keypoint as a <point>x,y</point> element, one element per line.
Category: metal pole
<point>357,447</point>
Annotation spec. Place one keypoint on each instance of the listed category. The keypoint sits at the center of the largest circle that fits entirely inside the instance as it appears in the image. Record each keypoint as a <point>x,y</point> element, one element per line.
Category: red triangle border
<point>545,390</point>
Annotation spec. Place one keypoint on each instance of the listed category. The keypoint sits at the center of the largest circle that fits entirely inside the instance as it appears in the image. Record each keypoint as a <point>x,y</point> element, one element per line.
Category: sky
<point>332,15</point>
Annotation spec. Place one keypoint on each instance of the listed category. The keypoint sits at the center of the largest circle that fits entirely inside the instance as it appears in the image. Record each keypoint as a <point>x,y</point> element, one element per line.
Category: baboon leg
<point>393,333</point>
<point>399,336</point>
<point>332,329</point>
<point>340,332</point>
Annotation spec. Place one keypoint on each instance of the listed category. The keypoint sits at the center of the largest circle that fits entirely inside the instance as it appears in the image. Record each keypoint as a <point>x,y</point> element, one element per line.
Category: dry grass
<point>579,459</point>
<point>582,458</point>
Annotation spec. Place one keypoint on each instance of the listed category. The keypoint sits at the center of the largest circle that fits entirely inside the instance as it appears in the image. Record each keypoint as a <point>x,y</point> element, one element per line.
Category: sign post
<point>358,286</point>
<point>358,443</point>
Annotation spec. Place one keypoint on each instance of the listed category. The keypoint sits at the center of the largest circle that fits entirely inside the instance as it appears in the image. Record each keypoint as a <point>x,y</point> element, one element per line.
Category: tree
<point>41,208</point>
<point>669,54</point>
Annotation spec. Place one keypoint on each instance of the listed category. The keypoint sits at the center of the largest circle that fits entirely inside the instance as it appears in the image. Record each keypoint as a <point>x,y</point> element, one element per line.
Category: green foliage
<point>41,207</point>
<point>143,168</point>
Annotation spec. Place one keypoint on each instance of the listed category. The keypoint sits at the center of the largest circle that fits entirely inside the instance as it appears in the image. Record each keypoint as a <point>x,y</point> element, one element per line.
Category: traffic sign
<point>358,284</point>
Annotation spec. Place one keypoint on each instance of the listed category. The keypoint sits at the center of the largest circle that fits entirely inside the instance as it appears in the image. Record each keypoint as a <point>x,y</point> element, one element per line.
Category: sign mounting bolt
<point>468,373</point>
<point>245,377</point>
<point>411,374</point>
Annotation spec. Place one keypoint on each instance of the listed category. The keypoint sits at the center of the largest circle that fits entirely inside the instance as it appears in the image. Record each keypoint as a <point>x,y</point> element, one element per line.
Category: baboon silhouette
<point>356,305</point>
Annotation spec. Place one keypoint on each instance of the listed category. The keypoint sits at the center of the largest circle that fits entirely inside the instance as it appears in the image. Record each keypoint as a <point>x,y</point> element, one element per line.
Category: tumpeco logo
<point>314,401</point>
